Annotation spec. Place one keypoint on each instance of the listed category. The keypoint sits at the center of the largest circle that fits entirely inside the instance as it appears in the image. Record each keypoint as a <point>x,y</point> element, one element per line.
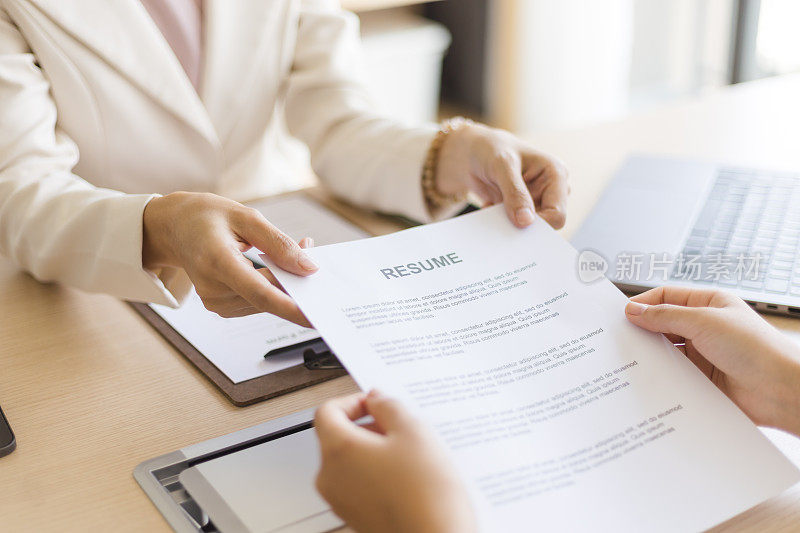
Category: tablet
<point>266,488</point>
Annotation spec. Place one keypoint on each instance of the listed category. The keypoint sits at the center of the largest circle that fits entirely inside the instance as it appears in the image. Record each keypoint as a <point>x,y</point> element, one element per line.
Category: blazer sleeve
<point>54,224</point>
<point>365,158</point>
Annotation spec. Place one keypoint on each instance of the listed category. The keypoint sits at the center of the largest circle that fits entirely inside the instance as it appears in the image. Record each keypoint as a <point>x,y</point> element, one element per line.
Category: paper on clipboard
<point>237,345</point>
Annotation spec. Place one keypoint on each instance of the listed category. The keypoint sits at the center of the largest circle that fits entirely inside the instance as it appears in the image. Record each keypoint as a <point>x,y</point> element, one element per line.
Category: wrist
<point>458,517</point>
<point>155,230</point>
<point>444,180</point>
<point>442,520</point>
<point>447,509</point>
<point>455,148</point>
<point>787,401</point>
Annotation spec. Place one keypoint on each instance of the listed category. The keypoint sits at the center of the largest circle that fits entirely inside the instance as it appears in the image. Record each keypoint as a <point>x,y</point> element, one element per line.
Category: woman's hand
<point>750,361</point>
<point>390,476</point>
<point>205,235</point>
<point>499,167</point>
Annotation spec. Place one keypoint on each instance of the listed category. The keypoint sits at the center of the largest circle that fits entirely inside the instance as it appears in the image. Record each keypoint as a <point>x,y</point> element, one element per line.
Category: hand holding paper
<point>552,405</point>
<point>390,473</point>
<point>756,366</point>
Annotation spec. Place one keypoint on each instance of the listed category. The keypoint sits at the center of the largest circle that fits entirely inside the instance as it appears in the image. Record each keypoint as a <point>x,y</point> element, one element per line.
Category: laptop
<point>693,223</point>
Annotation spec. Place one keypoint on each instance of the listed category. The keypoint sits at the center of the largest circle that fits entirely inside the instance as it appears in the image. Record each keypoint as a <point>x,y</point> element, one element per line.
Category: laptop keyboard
<point>746,235</point>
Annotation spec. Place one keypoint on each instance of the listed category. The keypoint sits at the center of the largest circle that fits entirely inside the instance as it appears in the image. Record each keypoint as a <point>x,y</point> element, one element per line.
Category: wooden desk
<point>91,390</point>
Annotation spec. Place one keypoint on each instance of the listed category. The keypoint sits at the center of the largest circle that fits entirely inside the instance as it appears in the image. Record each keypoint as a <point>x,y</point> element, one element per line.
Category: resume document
<point>559,413</point>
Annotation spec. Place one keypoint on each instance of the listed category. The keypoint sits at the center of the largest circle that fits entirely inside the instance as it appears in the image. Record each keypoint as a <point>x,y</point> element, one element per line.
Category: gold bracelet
<point>433,197</point>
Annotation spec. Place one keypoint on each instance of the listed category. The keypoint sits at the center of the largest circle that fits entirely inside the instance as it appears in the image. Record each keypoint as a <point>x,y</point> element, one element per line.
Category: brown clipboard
<point>287,380</point>
<point>246,392</point>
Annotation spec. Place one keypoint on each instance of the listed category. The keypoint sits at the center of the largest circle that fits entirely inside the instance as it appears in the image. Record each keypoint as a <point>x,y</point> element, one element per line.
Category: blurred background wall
<point>530,65</point>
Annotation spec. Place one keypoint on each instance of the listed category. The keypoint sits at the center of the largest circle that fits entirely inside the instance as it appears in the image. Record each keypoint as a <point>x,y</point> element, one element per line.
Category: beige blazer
<point>97,115</point>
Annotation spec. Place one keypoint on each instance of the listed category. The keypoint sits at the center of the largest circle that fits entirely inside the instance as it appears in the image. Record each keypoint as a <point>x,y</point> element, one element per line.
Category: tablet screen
<point>269,487</point>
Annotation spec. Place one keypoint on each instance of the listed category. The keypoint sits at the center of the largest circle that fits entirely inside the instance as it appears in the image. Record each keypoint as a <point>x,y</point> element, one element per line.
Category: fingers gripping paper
<point>558,412</point>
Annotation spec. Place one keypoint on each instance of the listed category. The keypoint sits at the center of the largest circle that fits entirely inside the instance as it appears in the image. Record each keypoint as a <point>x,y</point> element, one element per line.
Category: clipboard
<point>311,372</point>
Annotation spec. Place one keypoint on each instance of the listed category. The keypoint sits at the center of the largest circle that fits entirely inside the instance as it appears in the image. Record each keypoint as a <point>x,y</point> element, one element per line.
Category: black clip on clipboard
<point>316,354</point>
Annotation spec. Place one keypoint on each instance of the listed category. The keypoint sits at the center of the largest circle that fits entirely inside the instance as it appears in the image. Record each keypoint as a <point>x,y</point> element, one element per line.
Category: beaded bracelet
<point>433,197</point>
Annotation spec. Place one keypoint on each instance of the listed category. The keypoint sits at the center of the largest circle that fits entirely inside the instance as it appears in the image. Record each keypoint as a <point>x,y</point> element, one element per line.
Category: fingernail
<point>306,263</point>
<point>309,242</point>
<point>375,393</point>
<point>524,216</point>
<point>635,308</point>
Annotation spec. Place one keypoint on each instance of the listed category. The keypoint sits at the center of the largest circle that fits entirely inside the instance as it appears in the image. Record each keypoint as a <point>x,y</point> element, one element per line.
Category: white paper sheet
<point>560,414</point>
<point>237,345</point>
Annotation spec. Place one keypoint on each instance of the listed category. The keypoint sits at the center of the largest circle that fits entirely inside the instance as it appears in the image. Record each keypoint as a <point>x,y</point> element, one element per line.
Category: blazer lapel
<point>122,33</point>
<point>240,44</point>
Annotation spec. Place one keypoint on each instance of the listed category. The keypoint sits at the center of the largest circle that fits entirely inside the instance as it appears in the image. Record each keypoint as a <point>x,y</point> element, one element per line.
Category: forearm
<point>360,155</point>
<point>62,230</point>
<point>371,161</point>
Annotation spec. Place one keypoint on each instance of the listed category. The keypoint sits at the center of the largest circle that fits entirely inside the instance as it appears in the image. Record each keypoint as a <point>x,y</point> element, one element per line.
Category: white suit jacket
<point>97,115</point>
